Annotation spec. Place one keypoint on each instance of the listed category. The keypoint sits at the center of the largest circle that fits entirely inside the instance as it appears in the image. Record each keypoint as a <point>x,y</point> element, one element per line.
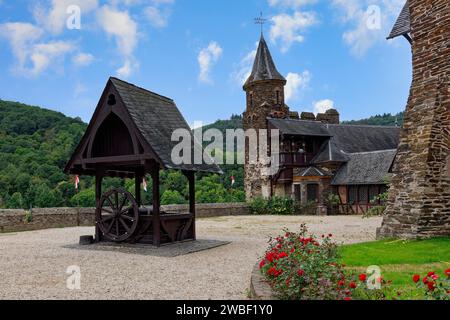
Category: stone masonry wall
<point>261,99</point>
<point>419,204</point>
<point>16,220</point>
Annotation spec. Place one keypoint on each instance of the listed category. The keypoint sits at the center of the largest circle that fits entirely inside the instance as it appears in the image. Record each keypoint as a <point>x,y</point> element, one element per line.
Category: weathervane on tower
<point>261,21</point>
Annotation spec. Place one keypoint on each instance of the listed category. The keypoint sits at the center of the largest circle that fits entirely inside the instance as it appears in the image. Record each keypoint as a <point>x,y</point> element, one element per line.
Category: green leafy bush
<point>274,206</point>
<point>281,206</point>
<point>172,197</point>
<point>259,206</point>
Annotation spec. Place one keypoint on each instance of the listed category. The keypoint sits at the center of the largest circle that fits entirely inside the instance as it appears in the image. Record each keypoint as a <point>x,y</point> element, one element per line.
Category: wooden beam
<point>115,159</point>
<point>137,187</point>
<point>98,196</point>
<point>156,206</point>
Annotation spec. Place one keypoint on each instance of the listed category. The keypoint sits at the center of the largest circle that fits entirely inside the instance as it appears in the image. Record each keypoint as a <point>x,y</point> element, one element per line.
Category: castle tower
<point>419,201</point>
<point>265,97</point>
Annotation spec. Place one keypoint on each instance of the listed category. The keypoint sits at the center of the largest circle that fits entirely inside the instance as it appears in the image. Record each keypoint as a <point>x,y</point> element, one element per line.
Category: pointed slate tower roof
<point>264,67</point>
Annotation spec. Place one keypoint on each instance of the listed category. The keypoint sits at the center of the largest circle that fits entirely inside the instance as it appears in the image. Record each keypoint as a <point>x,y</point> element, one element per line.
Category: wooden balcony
<point>289,159</point>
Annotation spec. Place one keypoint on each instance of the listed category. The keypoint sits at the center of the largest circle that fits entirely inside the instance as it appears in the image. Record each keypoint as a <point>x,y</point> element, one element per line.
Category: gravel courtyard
<point>33,264</point>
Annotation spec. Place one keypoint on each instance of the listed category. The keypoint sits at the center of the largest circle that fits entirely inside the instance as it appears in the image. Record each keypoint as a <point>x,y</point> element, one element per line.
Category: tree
<point>85,198</point>
<point>16,201</point>
<point>172,197</point>
<point>46,198</point>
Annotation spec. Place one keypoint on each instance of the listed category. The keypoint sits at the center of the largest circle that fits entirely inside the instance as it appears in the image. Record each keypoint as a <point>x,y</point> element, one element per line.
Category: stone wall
<point>19,220</point>
<point>419,204</point>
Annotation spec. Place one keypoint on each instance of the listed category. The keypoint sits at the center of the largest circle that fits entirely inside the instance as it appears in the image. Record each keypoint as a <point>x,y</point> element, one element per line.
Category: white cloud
<point>157,18</point>
<point>244,68</point>
<point>295,83</point>
<point>359,15</point>
<point>290,3</point>
<point>207,58</point>
<point>289,28</point>
<point>83,59</point>
<point>123,28</point>
<point>20,36</point>
<point>45,54</point>
<point>322,106</point>
<point>33,58</point>
<point>55,18</point>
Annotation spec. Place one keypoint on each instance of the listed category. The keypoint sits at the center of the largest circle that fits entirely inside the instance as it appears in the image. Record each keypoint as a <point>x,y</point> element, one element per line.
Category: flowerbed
<point>299,266</point>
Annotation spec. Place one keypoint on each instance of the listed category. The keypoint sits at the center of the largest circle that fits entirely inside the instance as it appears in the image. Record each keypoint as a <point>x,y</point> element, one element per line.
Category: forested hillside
<point>386,119</point>
<point>35,145</point>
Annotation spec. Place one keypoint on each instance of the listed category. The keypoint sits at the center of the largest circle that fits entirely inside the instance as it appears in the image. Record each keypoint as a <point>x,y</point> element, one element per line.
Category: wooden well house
<point>129,136</point>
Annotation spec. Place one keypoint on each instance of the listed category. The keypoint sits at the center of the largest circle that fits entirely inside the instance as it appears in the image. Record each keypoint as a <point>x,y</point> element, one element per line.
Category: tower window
<point>251,100</point>
<point>278,97</point>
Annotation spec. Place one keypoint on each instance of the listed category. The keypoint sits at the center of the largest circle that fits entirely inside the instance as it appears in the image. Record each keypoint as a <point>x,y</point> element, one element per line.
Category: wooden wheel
<point>119,215</point>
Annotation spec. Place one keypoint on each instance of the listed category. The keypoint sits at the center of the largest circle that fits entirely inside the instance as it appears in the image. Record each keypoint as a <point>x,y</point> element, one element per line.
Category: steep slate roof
<point>364,138</point>
<point>403,24</point>
<point>300,127</point>
<point>330,152</point>
<point>157,117</point>
<point>263,67</point>
<point>365,168</point>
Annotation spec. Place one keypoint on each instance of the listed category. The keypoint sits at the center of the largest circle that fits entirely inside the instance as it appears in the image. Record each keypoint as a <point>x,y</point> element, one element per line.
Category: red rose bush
<point>436,287</point>
<point>300,267</point>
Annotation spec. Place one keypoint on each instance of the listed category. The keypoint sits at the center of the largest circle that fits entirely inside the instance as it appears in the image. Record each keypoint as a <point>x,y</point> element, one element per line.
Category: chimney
<point>331,116</point>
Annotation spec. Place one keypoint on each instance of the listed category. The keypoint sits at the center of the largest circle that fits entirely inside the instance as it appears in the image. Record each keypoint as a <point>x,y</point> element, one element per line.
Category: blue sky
<point>198,52</point>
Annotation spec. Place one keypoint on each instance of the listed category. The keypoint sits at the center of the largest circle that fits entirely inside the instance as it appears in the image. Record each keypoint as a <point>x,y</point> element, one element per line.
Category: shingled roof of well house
<point>366,168</point>
<point>263,68</point>
<point>403,24</point>
<point>157,117</point>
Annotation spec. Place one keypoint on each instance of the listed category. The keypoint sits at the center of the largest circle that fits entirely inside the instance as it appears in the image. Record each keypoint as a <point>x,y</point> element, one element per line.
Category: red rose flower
<point>282,255</point>
<point>347,298</point>
<point>425,280</point>
<point>430,273</point>
<point>300,272</point>
<point>416,278</point>
<point>362,277</point>
<point>262,264</point>
<point>341,283</point>
<point>447,272</point>
<point>353,285</point>
<point>431,286</point>
<point>292,250</point>
<point>434,277</point>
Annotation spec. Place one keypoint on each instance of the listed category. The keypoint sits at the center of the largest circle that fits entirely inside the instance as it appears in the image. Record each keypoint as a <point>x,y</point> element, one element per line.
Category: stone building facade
<point>317,155</point>
<point>419,202</point>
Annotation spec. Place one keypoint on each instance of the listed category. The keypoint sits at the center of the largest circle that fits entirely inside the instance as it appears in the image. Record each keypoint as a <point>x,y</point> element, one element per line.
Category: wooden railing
<point>295,159</point>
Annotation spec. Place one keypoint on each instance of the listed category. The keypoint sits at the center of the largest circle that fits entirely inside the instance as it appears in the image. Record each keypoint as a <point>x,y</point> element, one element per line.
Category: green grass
<point>399,260</point>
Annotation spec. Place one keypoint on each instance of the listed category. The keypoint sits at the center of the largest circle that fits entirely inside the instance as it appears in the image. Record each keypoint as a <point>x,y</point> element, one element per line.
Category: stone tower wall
<point>261,101</point>
<point>419,202</point>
